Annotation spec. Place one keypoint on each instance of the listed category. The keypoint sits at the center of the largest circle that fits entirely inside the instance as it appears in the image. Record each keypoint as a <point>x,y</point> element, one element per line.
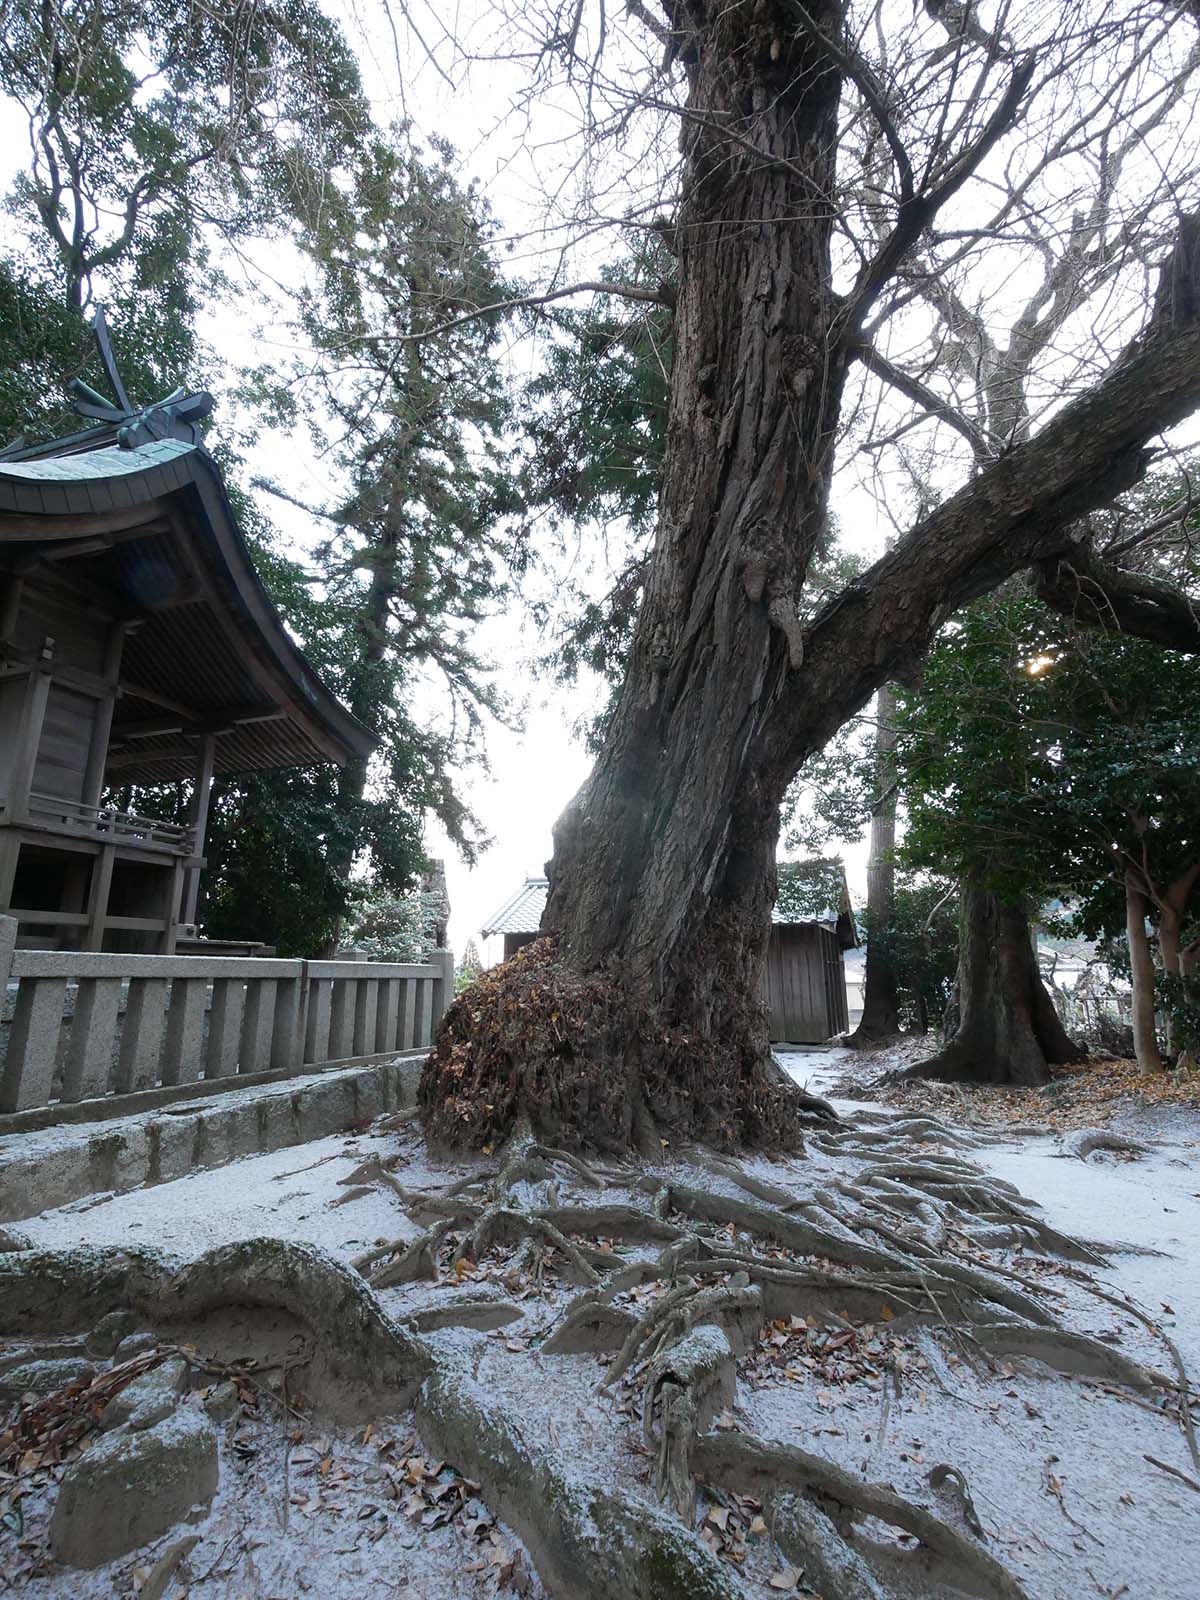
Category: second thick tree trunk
<point>1008,1029</point>
<point>1141,969</point>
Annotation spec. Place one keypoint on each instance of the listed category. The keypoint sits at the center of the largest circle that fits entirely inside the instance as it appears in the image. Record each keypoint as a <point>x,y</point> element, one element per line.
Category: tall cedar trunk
<point>1008,1030</point>
<point>1178,960</point>
<point>1141,968</point>
<point>881,1007</point>
<point>364,704</point>
<point>644,997</point>
<point>669,849</point>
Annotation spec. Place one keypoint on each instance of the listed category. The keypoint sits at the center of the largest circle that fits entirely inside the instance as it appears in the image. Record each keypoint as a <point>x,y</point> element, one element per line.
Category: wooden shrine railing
<point>106,822</point>
<point>86,1026</point>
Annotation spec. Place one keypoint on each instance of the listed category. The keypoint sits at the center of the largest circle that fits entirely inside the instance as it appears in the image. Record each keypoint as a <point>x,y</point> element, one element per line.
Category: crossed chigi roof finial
<point>176,416</point>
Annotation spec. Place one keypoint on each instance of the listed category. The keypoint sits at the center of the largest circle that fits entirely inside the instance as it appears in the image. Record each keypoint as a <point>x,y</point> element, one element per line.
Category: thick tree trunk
<point>664,865</point>
<point>1008,1029</point>
<point>881,1005</point>
<point>1141,968</point>
<point>1178,959</point>
<point>640,1010</point>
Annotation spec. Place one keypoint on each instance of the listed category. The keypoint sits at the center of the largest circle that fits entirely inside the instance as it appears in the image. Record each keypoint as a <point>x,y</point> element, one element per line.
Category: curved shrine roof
<point>148,535</point>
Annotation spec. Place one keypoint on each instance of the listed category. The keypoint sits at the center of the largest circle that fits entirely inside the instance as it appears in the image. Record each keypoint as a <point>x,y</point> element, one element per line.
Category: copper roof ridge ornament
<point>176,416</point>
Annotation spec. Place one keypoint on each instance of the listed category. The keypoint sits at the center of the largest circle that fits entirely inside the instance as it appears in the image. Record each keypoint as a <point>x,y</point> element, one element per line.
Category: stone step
<point>41,1169</point>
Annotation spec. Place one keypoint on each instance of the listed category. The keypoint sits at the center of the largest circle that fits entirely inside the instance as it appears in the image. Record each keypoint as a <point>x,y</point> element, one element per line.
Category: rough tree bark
<point>638,1014</point>
<point>1008,1030</point>
<point>1169,905</point>
<point>1141,968</point>
<point>881,1005</point>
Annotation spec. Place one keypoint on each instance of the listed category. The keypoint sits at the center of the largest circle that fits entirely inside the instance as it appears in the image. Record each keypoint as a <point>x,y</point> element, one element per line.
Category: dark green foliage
<point>921,946</point>
<point>154,128</point>
<point>415,560</point>
<point>596,416</point>
<point>1178,1000</point>
<point>595,421</point>
<point>1050,759</point>
<point>831,797</point>
<point>387,927</point>
<point>810,890</point>
<point>270,844</point>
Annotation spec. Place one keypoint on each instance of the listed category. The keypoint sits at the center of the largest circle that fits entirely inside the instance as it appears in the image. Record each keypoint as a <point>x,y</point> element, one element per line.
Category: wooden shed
<point>137,646</point>
<point>805,982</point>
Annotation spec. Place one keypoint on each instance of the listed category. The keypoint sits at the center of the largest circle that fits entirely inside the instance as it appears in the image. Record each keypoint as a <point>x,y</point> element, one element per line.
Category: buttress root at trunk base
<point>577,1059</point>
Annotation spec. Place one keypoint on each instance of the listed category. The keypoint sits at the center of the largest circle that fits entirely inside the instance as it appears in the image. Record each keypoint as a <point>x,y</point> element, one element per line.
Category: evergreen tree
<point>165,142</point>
<point>414,561</point>
<point>1041,760</point>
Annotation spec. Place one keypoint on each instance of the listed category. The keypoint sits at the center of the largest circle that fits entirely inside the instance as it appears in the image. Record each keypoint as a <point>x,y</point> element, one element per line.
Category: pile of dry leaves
<point>433,1495</point>
<point>1087,1095</point>
<point>833,1355</point>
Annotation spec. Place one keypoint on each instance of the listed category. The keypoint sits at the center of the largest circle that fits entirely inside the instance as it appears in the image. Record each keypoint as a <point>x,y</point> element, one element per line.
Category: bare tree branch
<point>1097,594</point>
<point>662,296</point>
<point>925,397</point>
<point>915,216</point>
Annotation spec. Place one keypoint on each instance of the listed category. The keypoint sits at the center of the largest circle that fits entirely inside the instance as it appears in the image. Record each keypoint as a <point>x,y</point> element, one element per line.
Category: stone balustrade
<point>86,1026</point>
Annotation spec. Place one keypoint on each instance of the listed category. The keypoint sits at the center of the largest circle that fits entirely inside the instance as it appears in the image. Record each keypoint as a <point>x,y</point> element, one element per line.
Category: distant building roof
<point>809,891</point>
<point>522,912</point>
<point>816,891</point>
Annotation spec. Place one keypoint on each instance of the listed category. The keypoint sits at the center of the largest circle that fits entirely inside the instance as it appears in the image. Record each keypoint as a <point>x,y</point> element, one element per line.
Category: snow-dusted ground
<point>1153,1201</point>
<point>288,1194</point>
<point>1056,1466</point>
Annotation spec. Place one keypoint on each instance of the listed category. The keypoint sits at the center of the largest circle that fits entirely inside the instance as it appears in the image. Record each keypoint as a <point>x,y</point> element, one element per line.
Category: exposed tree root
<point>588,1544</point>
<point>810,1541</point>
<point>416,1260</point>
<point>723,1167</point>
<point>359,1341</point>
<point>480,1314</point>
<point>590,1324</point>
<point>1084,1142</point>
<point>686,1386</point>
<point>880,1246</point>
<point>806,1238</point>
<point>755,1467</point>
<point>1071,1353</point>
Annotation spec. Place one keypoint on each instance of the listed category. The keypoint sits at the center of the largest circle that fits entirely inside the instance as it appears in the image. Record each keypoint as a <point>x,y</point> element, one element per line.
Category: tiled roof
<point>523,912</point>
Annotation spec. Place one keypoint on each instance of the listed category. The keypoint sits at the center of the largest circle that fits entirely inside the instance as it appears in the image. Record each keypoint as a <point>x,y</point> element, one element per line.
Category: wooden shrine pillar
<point>29,733</point>
<point>10,604</point>
<point>198,821</point>
<point>93,778</point>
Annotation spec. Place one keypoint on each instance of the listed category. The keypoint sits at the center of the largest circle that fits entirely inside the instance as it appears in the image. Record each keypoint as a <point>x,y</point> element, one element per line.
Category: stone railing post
<point>8,943</point>
<point>443,987</point>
